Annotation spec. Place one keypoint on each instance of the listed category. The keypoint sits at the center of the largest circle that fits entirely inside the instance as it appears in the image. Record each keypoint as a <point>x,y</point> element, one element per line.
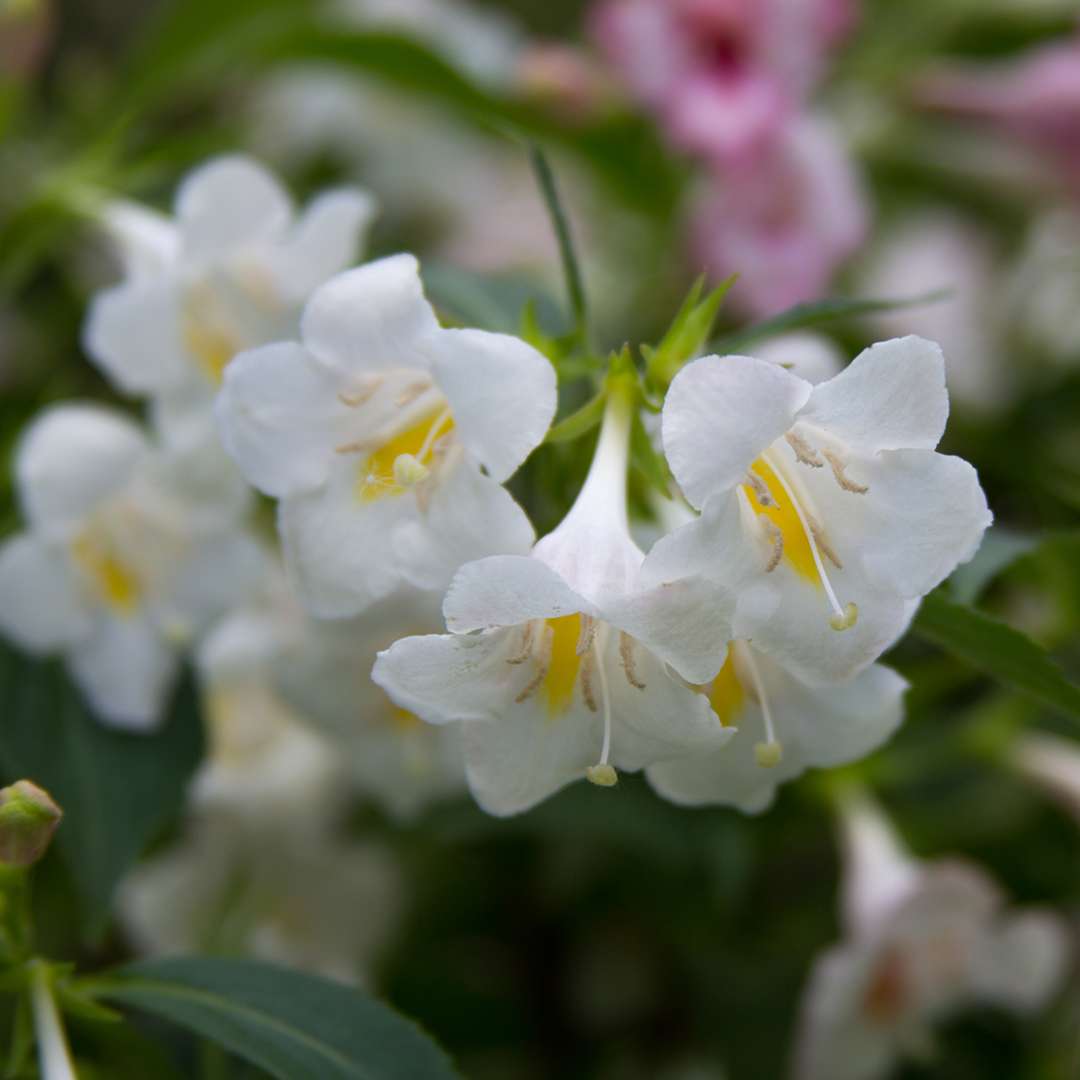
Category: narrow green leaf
<point>802,316</point>
<point>687,335</point>
<point>998,650</point>
<point>295,1026</point>
<point>116,789</point>
<point>580,422</point>
<point>645,459</point>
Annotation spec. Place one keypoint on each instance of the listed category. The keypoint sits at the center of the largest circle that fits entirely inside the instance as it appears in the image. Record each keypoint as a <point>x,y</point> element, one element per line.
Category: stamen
<point>805,454</point>
<point>626,655</point>
<point>843,618</point>
<point>767,753</point>
<point>776,537</point>
<point>361,446</point>
<point>411,393</point>
<point>823,543</point>
<point>838,465</point>
<point>528,632</point>
<point>433,434</point>
<point>364,394</point>
<point>602,774</point>
<point>761,491</point>
<point>588,666</point>
<point>587,635</point>
<point>543,663</point>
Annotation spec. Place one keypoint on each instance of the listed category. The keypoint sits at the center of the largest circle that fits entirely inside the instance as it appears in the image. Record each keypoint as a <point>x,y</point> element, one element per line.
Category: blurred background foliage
<point>605,934</point>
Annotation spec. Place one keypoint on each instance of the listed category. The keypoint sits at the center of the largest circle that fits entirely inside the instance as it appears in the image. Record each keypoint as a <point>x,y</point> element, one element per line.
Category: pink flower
<point>723,75</point>
<point>783,221</point>
<point>1035,98</point>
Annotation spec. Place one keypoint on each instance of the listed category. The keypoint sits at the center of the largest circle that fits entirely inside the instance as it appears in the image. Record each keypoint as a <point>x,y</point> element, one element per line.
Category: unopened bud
<point>28,819</point>
<point>602,775</point>
<point>409,470</point>
<point>768,754</point>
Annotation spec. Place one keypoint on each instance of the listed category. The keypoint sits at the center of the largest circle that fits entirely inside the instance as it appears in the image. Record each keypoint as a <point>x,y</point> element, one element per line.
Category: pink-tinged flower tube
<point>784,221</point>
<point>723,75</point>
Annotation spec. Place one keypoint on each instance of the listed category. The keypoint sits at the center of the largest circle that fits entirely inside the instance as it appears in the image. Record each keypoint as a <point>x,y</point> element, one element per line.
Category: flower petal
<point>126,671</point>
<point>501,392</point>
<point>1025,960</point>
<point>148,242</point>
<point>72,457</point>
<point>280,417</point>
<point>720,414</point>
<point>371,319</point>
<point>228,203</point>
<point>133,333</point>
<point>40,607</point>
<point>890,397</point>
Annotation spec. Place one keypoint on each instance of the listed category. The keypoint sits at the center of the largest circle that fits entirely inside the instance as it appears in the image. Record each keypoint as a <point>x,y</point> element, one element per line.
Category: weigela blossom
<point>390,754</point>
<point>230,272</point>
<point>130,551</point>
<point>825,509</point>
<point>558,664</point>
<point>386,438</point>
<point>922,941</point>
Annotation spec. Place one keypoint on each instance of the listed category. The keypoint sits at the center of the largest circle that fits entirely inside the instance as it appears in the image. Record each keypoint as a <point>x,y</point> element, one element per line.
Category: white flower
<point>231,272</point>
<point>392,756</point>
<point>558,665</point>
<point>130,551</point>
<point>811,356</point>
<point>373,432</point>
<point>821,505</point>
<point>1054,764</point>
<point>922,942</point>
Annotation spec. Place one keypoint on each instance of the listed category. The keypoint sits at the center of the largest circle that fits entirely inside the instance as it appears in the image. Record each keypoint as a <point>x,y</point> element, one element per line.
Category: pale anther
<point>365,393</point>
<point>805,454</point>
<point>761,492</point>
<point>587,635</point>
<point>626,655</point>
<point>776,538</point>
<point>838,465</point>
<point>543,663</point>
<point>411,393</point>
<point>528,632</point>
<point>588,666</point>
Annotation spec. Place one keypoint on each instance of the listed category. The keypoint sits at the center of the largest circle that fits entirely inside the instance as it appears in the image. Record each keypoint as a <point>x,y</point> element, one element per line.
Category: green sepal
<point>687,335</point>
<point>646,460</point>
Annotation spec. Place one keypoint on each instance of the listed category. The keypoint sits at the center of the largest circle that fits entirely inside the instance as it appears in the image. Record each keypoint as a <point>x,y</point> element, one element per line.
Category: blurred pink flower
<point>723,75</point>
<point>1034,97</point>
<point>783,221</point>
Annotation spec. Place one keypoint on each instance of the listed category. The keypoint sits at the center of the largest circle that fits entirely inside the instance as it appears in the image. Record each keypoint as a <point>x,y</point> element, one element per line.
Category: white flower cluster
<point>739,651</point>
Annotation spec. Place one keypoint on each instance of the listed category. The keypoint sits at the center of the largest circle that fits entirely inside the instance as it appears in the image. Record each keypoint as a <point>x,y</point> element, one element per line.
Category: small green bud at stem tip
<point>28,819</point>
<point>602,775</point>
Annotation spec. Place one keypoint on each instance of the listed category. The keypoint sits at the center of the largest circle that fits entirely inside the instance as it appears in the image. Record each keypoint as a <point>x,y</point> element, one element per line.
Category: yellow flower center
<point>726,694</point>
<point>782,513</point>
<point>378,477</point>
<point>213,347</point>
<point>113,581</point>
<point>564,665</point>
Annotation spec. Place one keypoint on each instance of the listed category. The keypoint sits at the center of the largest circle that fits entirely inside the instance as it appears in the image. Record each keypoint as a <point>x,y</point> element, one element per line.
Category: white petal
<point>501,392</point>
<point>506,590</point>
<point>891,397</point>
<point>687,624</point>
<point>228,203</point>
<point>324,241</point>
<point>70,458</point>
<point>133,333</point>
<point>925,514</point>
<point>126,671</point>
<point>721,412</point>
<point>468,516</point>
<point>280,418</point>
<point>1025,960</point>
<point>445,677</point>
<point>40,608</point>
<point>148,242</point>
<point>374,318</point>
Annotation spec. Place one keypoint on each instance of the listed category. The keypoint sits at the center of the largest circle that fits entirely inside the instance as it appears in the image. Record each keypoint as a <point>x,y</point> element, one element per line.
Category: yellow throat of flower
<point>783,515</point>
<point>405,459</point>
<point>111,579</point>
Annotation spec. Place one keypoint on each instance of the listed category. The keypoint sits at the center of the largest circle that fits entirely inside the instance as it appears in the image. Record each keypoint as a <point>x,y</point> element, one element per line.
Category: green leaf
<point>998,650</point>
<point>688,333</point>
<point>802,316</point>
<point>580,422</point>
<point>295,1026</point>
<point>645,459</point>
<point>117,789</point>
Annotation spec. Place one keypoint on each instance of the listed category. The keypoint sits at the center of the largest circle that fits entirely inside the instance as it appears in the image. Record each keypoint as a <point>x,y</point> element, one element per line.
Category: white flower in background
<point>386,438</point>
<point>558,665</point>
<point>940,250</point>
<point>392,756</point>
<point>230,272</point>
<point>812,357</point>
<point>1054,764</point>
<point>923,940</point>
<point>310,902</point>
<point>130,552</point>
<point>825,509</point>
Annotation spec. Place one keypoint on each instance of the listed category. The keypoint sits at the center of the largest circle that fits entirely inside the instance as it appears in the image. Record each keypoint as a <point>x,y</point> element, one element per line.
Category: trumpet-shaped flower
<point>230,272</point>
<point>130,551</point>
<point>923,941</point>
<point>783,727</point>
<point>825,508</point>
<point>386,438</point>
<point>558,664</point>
<point>392,756</point>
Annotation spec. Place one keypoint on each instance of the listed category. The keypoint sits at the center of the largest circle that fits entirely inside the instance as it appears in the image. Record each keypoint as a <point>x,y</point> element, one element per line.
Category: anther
<point>411,393</point>
<point>838,465</point>
<point>805,454</point>
<point>587,635</point>
<point>761,492</point>
<point>364,394</point>
<point>359,447</point>
<point>626,655</point>
<point>602,775</point>
<point>528,632</point>
<point>409,470</point>
<point>588,666</point>
<point>847,618</point>
<point>776,538</point>
<point>543,663</point>
<point>824,545</point>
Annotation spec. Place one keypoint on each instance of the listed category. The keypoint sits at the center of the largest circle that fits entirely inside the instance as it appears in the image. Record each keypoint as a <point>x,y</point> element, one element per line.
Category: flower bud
<point>28,819</point>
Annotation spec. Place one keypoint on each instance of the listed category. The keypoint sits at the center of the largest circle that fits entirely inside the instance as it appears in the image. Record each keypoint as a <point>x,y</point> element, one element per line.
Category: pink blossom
<point>723,75</point>
<point>783,221</point>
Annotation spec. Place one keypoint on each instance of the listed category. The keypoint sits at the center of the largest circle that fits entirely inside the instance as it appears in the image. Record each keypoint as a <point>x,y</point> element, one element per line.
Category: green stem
<point>54,1057</point>
<point>571,267</point>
